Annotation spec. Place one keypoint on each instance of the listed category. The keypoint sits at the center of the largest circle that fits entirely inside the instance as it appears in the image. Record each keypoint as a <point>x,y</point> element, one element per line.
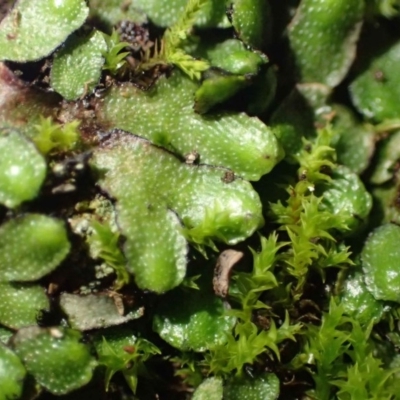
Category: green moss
<point>52,136</point>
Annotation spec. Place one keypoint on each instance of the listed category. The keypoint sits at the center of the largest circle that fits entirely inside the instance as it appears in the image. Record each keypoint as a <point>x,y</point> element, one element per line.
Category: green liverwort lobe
<point>12,374</point>
<point>21,303</point>
<point>165,116</point>
<point>375,91</point>
<point>31,246</point>
<point>323,37</point>
<point>22,169</point>
<point>264,387</point>
<point>252,22</point>
<point>33,29</point>
<point>380,262</point>
<point>197,326</point>
<point>56,357</point>
<point>77,66</point>
<point>156,193</point>
<point>358,302</point>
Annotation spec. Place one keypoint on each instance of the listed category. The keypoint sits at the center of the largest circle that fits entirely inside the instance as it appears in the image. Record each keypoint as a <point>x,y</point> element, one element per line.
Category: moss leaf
<point>22,169</point>
<point>31,246</point>
<point>12,374</point>
<point>77,66</point>
<point>121,351</point>
<point>33,29</point>
<point>20,304</point>
<point>56,357</point>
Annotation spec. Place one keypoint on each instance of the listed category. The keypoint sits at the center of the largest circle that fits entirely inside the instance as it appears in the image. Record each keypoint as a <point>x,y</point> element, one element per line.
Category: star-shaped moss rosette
<point>123,351</point>
<point>157,193</point>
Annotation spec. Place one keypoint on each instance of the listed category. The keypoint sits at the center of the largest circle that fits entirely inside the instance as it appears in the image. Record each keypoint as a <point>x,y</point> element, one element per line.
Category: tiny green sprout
<point>176,36</point>
<point>114,57</point>
<point>310,227</point>
<point>191,66</point>
<point>190,282</point>
<point>104,243</point>
<point>126,358</point>
<point>171,50</point>
<point>53,136</point>
<point>246,343</point>
<point>202,235</point>
<point>250,285</point>
<point>188,368</point>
